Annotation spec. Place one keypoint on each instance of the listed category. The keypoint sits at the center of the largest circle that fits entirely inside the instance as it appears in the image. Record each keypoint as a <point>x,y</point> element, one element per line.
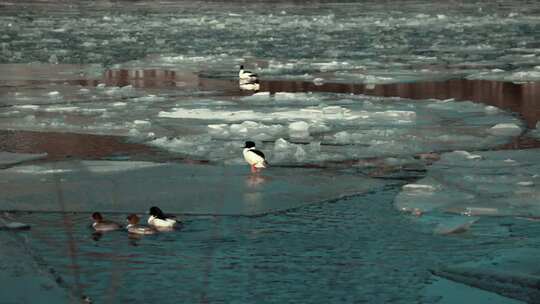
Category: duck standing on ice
<point>246,76</point>
<point>248,80</point>
<point>254,157</point>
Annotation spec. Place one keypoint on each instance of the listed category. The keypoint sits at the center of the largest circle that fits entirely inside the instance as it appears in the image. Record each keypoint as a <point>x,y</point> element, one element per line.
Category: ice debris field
<point>294,128</point>
<point>352,42</point>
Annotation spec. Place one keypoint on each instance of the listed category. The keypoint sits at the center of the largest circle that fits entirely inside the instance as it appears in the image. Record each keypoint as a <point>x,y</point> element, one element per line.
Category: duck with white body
<point>160,221</point>
<point>254,157</point>
<point>247,76</point>
<point>134,227</point>
<point>247,80</point>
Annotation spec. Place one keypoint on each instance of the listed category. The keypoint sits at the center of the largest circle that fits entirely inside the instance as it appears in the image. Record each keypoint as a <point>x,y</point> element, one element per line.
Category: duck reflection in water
<point>255,180</point>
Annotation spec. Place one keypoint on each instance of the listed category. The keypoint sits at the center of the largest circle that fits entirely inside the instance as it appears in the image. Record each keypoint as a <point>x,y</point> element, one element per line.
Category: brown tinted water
<point>523,99</point>
<point>60,146</point>
<point>519,98</point>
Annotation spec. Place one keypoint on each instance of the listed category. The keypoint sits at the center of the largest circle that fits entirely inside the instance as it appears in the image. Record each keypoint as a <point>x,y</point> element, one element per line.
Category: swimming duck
<point>102,225</point>
<point>254,157</point>
<point>135,228</point>
<point>246,77</point>
<point>158,219</point>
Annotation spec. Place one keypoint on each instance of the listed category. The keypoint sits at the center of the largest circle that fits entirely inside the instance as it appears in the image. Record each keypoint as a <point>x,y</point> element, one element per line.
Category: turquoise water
<point>347,251</point>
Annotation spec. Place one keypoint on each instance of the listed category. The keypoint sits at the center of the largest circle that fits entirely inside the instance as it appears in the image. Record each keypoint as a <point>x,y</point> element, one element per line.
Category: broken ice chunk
<point>472,211</point>
<point>455,225</point>
<point>491,110</point>
<point>318,81</point>
<point>505,129</point>
<point>54,94</point>
<point>467,155</point>
<point>299,129</point>
<point>419,188</point>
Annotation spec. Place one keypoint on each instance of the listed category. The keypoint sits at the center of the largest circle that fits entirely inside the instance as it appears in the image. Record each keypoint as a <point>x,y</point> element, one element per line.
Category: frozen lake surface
<point>395,136</point>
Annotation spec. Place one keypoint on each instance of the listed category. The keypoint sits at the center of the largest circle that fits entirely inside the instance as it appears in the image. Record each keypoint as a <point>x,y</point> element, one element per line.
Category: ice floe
<point>508,129</point>
<point>513,273</point>
<point>496,183</point>
<point>7,158</point>
<point>127,186</point>
<point>364,126</point>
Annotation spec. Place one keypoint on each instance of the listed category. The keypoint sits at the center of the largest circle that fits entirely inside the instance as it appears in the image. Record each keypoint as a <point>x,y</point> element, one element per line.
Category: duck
<point>158,219</point>
<point>102,225</point>
<point>250,86</point>
<point>134,227</point>
<point>247,77</point>
<point>254,157</point>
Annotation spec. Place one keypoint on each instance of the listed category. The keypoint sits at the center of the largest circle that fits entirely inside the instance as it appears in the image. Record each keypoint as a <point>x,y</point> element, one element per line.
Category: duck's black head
<point>249,144</point>
<point>241,67</point>
<point>96,216</point>
<point>156,212</point>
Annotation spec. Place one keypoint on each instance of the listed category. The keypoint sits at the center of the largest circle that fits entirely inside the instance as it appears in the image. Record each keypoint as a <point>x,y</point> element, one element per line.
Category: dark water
<point>70,145</point>
<point>348,251</point>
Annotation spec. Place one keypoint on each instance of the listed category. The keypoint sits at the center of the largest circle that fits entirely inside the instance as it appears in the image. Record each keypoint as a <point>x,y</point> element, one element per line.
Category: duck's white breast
<point>252,157</point>
<point>161,223</point>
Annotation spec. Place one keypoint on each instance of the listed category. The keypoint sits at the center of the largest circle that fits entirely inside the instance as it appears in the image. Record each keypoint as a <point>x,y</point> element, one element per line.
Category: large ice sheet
<point>443,291</point>
<point>493,183</point>
<point>115,186</point>
<point>513,273</point>
<point>8,158</point>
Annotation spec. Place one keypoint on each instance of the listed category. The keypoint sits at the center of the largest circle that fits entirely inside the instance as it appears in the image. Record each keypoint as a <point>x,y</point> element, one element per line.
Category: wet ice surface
<point>514,272</point>
<point>129,186</point>
<point>363,42</point>
<point>494,183</point>
<point>454,292</point>
<point>7,158</point>
<point>347,250</point>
